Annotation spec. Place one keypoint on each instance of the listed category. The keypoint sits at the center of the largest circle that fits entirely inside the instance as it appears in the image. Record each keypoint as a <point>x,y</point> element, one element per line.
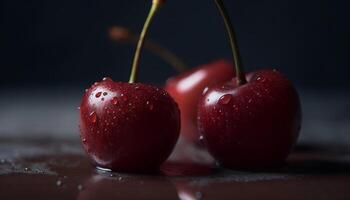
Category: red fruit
<point>254,125</point>
<point>187,89</point>
<point>128,127</point>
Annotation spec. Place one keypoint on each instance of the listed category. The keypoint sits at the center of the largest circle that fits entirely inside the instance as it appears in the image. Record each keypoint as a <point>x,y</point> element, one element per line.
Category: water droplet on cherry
<point>225,99</point>
<point>115,101</point>
<point>107,79</point>
<point>93,117</point>
<point>205,90</point>
<point>98,94</point>
<point>105,94</point>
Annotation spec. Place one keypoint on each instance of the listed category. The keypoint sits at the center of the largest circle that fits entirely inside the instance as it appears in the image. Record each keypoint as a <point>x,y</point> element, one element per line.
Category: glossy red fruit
<point>187,89</point>
<point>254,125</point>
<point>128,127</point>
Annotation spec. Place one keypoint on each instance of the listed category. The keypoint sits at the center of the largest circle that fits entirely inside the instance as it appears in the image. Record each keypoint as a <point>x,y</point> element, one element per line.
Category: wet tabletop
<point>41,158</point>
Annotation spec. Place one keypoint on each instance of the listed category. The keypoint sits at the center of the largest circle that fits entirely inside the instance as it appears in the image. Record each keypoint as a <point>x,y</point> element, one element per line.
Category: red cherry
<point>251,121</point>
<point>187,88</point>
<point>251,126</point>
<point>129,127</point>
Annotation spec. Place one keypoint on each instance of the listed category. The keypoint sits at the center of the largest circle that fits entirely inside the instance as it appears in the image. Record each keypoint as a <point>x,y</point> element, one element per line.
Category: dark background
<point>65,43</point>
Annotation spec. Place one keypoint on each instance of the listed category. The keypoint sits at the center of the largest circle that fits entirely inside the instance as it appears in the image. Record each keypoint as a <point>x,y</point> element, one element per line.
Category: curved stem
<point>154,9</point>
<point>241,79</point>
<point>124,35</point>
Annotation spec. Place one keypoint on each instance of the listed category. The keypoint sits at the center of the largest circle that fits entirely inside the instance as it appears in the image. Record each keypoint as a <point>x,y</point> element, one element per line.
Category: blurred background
<point>52,50</point>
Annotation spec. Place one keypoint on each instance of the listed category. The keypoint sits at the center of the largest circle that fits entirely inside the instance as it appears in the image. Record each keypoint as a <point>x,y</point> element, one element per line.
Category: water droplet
<point>80,187</point>
<point>111,175</point>
<point>201,139</point>
<point>205,90</point>
<point>150,106</point>
<point>225,99</point>
<point>102,99</point>
<point>105,93</point>
<point>78,108</point>
<point>98,94</point>
<point>84,140</point>
<point>137,87</point>
<point>115,101</point>
<point>259,78</point>
<point>250,100</point>
<point>107,79</point>
<point>120,178</point>
<point>95,83</point>
<point>93,117</point>
<point>59,183</point>
<point>26,169</point>
<point>86,90</point>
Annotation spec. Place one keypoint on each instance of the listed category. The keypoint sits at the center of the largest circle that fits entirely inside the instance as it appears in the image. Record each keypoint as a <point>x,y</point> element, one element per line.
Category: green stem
<point>154,9</point>
<point>241,79</point>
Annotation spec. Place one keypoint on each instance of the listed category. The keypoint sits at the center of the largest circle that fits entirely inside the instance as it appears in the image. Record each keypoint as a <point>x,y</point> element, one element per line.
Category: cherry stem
<point>241,79</point>
<point>123,35</point>
<point>156,5</point>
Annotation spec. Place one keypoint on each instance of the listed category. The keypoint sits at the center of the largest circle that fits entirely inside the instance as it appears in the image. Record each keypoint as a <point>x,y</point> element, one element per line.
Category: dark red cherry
<point>187,88</point>
<point>128,127</point>
<point>251,126</point>
<point>252,121</point>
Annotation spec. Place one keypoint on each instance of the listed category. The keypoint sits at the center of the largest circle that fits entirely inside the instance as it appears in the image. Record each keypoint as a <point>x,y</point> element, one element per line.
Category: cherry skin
<point>128,127</point>
<point>251,126</point>
<point>187,88</point>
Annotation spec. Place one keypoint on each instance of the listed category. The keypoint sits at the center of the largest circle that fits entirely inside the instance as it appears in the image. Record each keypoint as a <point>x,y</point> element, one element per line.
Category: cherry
<point>186,88</point>
<point>251,121</point>
<point>129,127</point>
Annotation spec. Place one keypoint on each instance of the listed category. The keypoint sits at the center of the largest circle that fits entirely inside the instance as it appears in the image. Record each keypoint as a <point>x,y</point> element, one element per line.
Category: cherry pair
<point>247,121</point>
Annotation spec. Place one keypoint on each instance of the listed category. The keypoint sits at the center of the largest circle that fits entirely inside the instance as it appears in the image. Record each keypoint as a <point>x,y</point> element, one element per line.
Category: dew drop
<point>98,94</point>
<point>205,90</point>
<point>225,99</point>
<point>84,140</point>
<point>115,101</point>
<point>201,139</point>
<point>80,187</point>
<point>59,183</point>
<point>107,79</point>
<point>105,94</point>
<point>93,117</point>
